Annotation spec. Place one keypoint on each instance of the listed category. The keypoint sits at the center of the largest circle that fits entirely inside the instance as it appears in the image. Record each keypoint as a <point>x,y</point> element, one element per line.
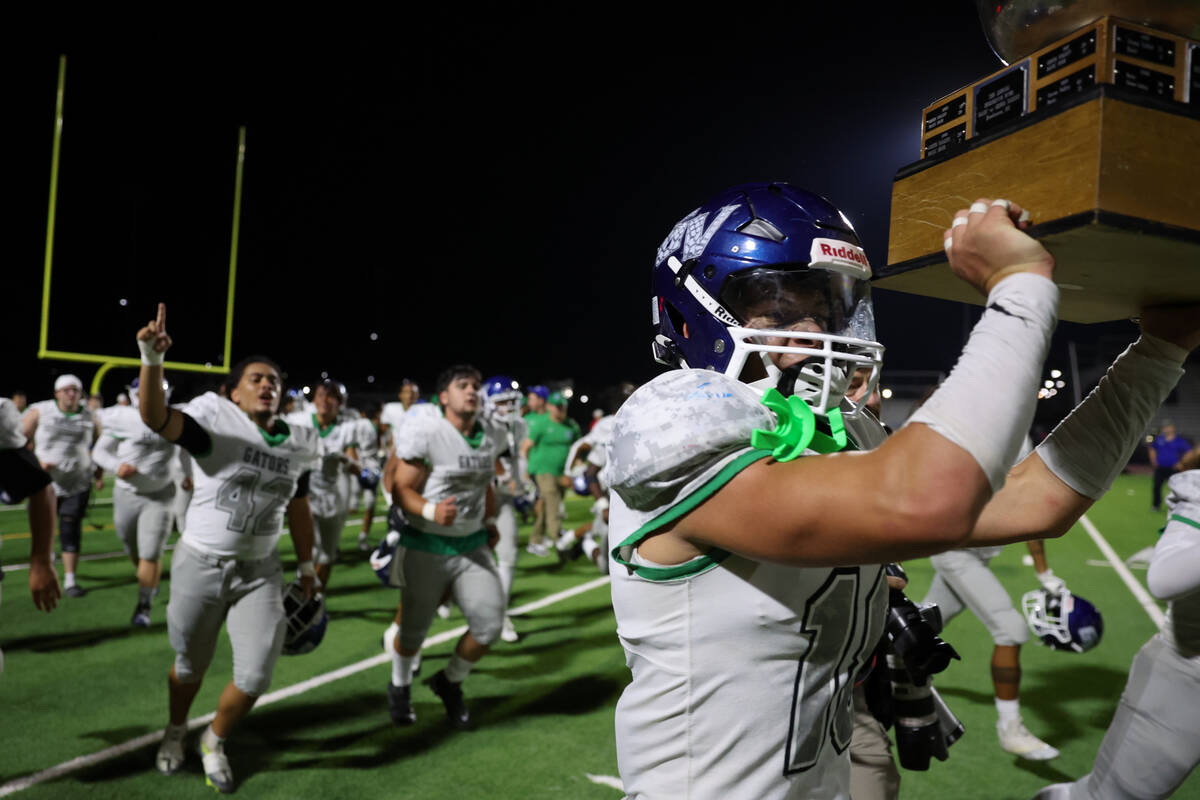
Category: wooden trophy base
<point>1111,180</point>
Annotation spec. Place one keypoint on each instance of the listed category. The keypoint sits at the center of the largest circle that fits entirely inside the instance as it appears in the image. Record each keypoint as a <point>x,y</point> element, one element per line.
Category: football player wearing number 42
<point>747,585</point>
<point>250,470</point>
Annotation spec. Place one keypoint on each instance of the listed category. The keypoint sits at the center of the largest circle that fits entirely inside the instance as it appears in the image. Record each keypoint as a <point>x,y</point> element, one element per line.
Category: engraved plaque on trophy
<point>1094,126</point>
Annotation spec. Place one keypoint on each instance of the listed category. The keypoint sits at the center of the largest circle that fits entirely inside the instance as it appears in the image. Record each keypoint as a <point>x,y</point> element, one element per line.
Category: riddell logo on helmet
<point>839,252</point>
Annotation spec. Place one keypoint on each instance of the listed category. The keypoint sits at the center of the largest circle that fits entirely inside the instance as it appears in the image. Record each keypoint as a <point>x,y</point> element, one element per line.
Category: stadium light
<point>1056,373</point>
<point>1049,384</point>
<point>568,393</point>
<point>324,375</point>
<point>370,379</point>
<point>1059,384</point>
<point>583,398</point>
<point>886,394</point>
<point>123,301</point>
<point>374,336</point>
<point>306,390</point>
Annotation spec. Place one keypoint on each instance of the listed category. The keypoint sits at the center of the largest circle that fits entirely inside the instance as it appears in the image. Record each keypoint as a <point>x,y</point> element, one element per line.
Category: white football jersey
<point>597,440</point>
<point>65,440</point>
<point>156,459</point>
<point>392,415</point>
<point>514,430</point>
<point>1179,549</point>
<point>245,482</point>
<point>328,491</point>
<point>461,467</point>
<point>742,670</point>
<point>10,425</point>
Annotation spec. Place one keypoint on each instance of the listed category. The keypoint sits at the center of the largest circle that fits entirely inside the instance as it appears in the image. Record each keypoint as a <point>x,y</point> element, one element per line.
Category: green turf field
<point>81,680</point>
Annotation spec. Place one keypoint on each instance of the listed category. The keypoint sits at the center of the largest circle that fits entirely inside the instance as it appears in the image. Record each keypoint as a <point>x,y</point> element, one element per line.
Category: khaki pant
<point>547,524</point>
<point>873,773</point>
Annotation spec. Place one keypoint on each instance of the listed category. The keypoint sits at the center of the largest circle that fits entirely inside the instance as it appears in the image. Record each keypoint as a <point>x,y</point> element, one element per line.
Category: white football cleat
<point>1015,738</point>
<point>170,752</point>
<point>507,632</point>
<point>389,638</point>
<point>217,773</point>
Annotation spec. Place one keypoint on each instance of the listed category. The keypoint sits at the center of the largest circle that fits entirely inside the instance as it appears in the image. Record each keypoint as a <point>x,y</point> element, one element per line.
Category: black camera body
<point>902,696</point>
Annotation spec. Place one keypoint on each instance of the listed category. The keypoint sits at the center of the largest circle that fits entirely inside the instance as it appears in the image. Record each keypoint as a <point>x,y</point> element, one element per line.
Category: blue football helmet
<point>385,563</point>
<point>132,390</point>
<point>368,479</point>
<point>306,620</point>
<point>1063,620</point>
<point>501,397</point>
<point>768,283</point>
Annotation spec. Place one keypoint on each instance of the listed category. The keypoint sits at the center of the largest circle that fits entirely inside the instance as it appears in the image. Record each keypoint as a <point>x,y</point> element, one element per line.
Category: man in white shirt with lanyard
<point>250,470</point>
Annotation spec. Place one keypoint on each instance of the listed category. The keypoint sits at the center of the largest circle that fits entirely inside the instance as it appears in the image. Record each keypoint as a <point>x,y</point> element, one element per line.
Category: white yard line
<point>116,751</point>
<point>121,553</point>
<point>606,780</point>
<point>1139,592</point>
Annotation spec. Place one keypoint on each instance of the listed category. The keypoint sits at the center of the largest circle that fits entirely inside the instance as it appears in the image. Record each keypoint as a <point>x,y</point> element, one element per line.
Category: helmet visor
<point>816,300</point>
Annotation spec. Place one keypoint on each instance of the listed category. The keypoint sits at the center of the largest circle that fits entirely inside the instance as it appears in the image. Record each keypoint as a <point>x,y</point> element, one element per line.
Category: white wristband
<point>306,569</point>
<point>1088,449</point>
<point>488,522</point>
<point>150,356</point>
<point>428,511</point>
<point>986,405</point>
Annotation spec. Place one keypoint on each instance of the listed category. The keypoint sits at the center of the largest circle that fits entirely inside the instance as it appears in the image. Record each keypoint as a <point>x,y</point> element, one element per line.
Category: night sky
<point>488,189</point>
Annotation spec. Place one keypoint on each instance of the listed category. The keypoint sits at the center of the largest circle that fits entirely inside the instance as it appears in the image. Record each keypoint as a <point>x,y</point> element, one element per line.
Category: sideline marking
<point>606,780</point>
<point>116,553</point>
<point>130,746</point>
<point>1139,592</point>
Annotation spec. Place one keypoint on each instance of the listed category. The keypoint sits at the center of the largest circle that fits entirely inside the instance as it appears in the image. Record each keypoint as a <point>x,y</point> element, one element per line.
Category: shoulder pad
<point>865,430</point>
<point>675,427</point>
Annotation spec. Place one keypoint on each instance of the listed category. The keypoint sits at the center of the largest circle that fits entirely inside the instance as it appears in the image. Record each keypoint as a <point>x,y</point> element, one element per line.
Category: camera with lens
<point>902,696</point>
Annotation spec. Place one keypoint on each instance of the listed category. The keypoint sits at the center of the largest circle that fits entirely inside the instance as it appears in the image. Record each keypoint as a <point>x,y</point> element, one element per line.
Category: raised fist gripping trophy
<point>1094,126</point>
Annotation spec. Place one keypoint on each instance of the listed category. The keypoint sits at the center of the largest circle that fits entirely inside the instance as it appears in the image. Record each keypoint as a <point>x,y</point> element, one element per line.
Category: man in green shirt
<point>545,452</point>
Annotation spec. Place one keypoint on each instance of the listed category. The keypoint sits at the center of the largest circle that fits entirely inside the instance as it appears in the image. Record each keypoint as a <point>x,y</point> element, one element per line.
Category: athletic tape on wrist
<point>306,569</point>
<point>429,511</point>
<point>1089,448</point>
<point>986,405</point>
<point>150,356</point>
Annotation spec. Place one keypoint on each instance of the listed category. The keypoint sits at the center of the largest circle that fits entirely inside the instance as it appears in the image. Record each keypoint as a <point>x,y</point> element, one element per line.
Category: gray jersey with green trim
<point>742,669</point>
<point>244,483</point>
<point>10,425</point>
<point>458,468</point>
<point>65,440</point>
<point>328,494</point>
<point>154,457</point>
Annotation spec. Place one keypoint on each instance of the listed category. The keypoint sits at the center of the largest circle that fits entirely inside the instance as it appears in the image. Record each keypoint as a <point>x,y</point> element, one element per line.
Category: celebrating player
<point>147,467</point>
<point>501,407</point>
<point>444,467</point>
<point>63,431</point>
<point>592,537</point>
<point>251,469</point>
<point>738,602</point>
<point>21,478</point>
<point>1153,741</point>
<point>328,494</point>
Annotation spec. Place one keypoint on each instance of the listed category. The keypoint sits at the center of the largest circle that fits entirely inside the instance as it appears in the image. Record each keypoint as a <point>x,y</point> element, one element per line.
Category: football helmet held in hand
<point>1063,620</point>
<point>306,620</point>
